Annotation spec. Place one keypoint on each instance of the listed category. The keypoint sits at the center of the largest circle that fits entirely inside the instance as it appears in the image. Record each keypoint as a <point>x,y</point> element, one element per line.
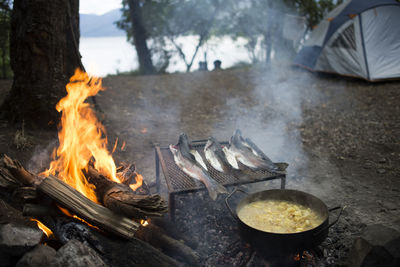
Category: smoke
<point>272,113</point>
<point>41,157</point>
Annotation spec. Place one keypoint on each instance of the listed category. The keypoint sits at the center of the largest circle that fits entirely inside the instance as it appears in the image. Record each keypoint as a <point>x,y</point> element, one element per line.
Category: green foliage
<point>5,13</point>
<point>315,10</point>
<point>166,20</point>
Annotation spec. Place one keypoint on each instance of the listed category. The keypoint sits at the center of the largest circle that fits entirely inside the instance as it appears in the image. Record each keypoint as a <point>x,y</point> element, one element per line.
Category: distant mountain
<point>100,25</point>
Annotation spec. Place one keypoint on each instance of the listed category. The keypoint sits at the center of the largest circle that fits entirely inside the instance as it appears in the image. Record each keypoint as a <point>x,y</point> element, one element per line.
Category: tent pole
<point>363,46</point>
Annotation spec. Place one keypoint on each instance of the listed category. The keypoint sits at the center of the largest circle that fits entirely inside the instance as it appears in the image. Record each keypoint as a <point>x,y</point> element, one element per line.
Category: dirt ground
<point>340,136</point>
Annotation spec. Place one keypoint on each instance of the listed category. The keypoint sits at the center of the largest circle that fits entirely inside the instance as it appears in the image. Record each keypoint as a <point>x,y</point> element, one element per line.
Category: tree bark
<point>44,53</point>
<point>4,62</point>
<point>139,38</point>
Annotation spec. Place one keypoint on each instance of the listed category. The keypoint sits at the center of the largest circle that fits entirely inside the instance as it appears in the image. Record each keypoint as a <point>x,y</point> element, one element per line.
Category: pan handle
<point>335,221</point>
<point>229,196</point>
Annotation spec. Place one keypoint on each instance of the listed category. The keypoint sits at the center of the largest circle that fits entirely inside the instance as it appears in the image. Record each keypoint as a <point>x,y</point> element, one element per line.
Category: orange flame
<point>139,182</point>
<point>66,212</point>
<point>144,223</point>
<point>123,146</point>
<point>81,137</point>
<point>115,145</point>
<point>44,228</point>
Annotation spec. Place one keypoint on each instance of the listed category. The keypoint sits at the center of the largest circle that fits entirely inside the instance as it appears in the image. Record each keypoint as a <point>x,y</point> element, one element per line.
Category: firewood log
<point>174,231</point>
<point>156,236</point>
<point>7,180</point>
<point>72,200</point>
<point>123,200</point>
<point>118,252</point>
<point>128,176</point>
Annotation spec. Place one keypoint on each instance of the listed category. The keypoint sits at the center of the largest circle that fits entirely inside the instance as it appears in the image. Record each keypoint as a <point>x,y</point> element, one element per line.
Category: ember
<point>66,212</point>
<point>44,228</point>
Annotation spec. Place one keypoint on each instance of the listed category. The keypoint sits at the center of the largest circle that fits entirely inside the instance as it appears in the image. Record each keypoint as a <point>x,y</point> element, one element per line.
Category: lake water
<point>109,55</point>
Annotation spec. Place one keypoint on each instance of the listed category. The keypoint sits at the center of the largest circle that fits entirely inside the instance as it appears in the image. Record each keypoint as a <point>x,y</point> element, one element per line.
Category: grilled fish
<point>215,156</point>
<point>230,157</point>
<point>198,158</point>
<point>187,163</point>
<point>184,141</point>
<point>249,154</point>
<point>258,152</point>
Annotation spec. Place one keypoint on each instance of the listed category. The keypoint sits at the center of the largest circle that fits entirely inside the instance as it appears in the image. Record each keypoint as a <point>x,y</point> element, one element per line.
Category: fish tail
<point>214,188</point>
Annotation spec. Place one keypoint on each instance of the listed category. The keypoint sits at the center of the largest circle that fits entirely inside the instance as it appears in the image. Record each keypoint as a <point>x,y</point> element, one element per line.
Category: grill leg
<point>157,172</point>
<point>171,204</point>
<point>283,182</point>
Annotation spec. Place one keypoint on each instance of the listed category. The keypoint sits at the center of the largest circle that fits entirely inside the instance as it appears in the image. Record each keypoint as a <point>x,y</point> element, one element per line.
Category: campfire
<point>84,183</point>
<point>83,138</point>
<point>82,162</point>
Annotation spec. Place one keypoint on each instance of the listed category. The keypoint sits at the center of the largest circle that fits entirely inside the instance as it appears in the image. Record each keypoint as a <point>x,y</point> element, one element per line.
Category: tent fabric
<point>319,34</point>
<point>343,52</point>
<point>309,56</point>
<point>358,38</point>
<point>356,7</point>
<point>381,27</point>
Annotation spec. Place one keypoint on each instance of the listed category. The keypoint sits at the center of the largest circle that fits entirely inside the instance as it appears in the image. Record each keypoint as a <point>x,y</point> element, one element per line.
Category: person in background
<point>203,66</point>
<point>217,64</point>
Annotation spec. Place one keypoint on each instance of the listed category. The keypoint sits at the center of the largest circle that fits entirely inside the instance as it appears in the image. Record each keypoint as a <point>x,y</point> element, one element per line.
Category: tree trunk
<point>139,38</point>
<point>44,50</point>
<point>4,61</point>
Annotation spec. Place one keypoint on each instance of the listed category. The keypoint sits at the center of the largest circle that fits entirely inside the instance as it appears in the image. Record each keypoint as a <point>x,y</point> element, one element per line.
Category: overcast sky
<point>98,6</point>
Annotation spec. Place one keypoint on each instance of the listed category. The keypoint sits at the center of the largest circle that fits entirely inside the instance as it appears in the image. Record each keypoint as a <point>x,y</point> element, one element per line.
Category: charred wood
<point>39,211</point>
<point>26,193</point>
<point>123,200</point>
<point>94,213</point>
<point>155,236</point>
<point>129,176</point>
<point>112,250</point>
<point>72,200</point>
<point>171,228</point>
<point>6,179</point>
<point>18,172</point>
<point>126,173</point>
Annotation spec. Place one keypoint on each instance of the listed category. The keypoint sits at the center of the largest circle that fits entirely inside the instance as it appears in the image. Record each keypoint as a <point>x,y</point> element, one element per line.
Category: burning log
<point>114,250</point>
<point>39,211</point>
<point>88,210</point>
<point>27,193</point>
<point>121,199</point>
<point>74,201</point>
<point>111,249</point>
<point>7,180</point>
<point>131,178</point>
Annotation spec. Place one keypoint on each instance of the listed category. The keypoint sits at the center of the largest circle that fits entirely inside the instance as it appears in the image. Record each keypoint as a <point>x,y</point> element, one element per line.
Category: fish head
<point>210,142</point>
<point>235,139</point>
<point>184,141</point>
<point>173,149</point>
<point>183,137</point>
<point>237,132</point>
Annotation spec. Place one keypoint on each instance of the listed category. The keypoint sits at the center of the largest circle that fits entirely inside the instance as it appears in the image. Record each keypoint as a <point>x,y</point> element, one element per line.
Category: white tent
<point>359,38</point>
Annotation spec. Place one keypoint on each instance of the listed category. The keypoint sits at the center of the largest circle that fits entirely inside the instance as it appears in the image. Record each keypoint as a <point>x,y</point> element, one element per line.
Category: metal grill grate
<point>178,182</point>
